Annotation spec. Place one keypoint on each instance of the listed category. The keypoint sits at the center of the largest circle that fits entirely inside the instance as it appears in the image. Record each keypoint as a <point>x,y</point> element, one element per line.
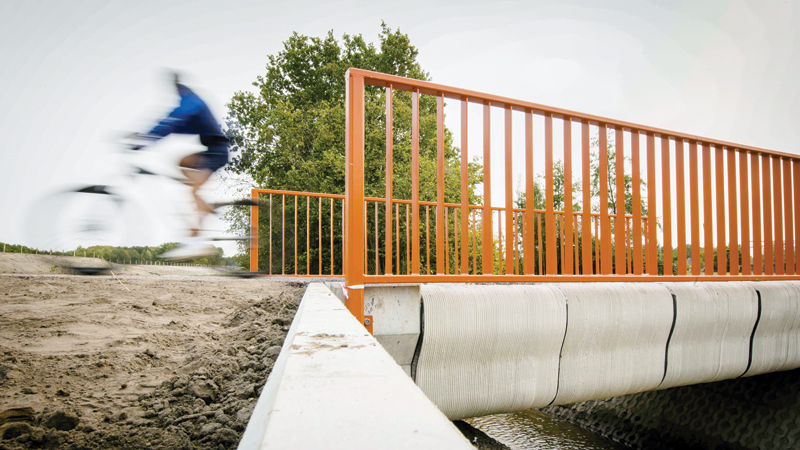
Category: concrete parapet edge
<point>333,386</point>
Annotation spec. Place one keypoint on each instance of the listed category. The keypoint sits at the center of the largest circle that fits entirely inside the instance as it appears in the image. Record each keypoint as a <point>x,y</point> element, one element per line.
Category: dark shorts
<point>216,156</point>
<point>212,161</point>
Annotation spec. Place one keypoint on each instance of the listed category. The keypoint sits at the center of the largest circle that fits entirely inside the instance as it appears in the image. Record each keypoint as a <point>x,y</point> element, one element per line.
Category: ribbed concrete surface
<point>616,339</point>
<point>490,349</point>
<point>776,341</point>
<point>711,339</point>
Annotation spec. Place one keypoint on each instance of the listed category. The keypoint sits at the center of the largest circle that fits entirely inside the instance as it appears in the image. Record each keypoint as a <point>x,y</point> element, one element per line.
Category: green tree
<point>290,134</point>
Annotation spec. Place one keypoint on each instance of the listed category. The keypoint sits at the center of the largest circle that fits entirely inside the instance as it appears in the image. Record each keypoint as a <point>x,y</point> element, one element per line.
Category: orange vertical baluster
<point>389,178</point>
<point>446,243</point>
<point>516,246</point>
<point>720,179</point>
<point>320,235</point>
<point>295,235</point>
<point>364,232</point>
<point>636,198</point>
<point>486,216</point>
<point>629,266</point>
<point>377,263</point>
<point>464,189</point>
<point>456,267</point>
<point>550,218</point>
<point>397,231</point>
<point>474,247</point>
<point>343,239</point>
<point>500,268</point>
<point>777,210</point>
<point>283,235</point>
<point>408,243</point>
<point>733,221</point>
<point>308,235</point>
<point>652,241</point>
<point>708,242</point>
<point>744,207</point>
<point>681,205</point>
<point>767,209</point>
<point>530,238</point>
<point>586,204</point>
<point>254,234</point>
<point>597,245</point>
<point>619,220</point>
<point>758,262</point>
<point>366,237</point>
<point>787,215</point>
<point>441,226</point>
<point>562,234</point>
<point>427,240</point>
<point>541,261</point>
<point>666,199</point>
<point>567,230</point>
<point>694,188</point>
<point>605,225</point>
<point>575,243</point>
<point>415,172</point>
<point>796,184</point>
<point>509,190</point>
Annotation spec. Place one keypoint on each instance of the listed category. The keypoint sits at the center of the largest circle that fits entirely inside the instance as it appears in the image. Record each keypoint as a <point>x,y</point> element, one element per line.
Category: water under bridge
<point>646,260</point>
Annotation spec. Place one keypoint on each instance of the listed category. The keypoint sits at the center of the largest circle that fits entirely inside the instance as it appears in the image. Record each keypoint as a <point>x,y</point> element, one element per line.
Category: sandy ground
<point>160,357</point>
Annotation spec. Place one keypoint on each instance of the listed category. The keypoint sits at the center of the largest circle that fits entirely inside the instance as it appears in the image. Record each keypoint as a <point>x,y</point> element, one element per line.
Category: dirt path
<point>136,362</point>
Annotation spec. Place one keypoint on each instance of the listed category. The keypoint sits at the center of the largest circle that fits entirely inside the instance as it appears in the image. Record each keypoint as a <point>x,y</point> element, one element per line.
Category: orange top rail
<point>736,221</point>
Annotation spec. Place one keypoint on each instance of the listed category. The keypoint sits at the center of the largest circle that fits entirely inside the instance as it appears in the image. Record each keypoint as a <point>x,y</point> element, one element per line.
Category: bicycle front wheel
<point>81,218</point>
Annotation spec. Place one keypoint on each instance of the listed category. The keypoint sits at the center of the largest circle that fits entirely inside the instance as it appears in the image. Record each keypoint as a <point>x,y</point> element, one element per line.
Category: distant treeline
<point>122,254</point>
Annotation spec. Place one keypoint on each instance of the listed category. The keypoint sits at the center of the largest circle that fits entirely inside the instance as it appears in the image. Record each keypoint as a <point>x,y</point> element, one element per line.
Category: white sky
<point>73,73</point>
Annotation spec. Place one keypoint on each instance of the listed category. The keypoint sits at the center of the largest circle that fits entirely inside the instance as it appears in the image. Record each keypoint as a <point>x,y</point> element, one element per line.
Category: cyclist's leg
<point>194,168</point>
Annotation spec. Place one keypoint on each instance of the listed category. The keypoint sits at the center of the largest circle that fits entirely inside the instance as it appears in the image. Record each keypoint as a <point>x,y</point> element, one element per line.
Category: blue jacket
<point>192,116</point>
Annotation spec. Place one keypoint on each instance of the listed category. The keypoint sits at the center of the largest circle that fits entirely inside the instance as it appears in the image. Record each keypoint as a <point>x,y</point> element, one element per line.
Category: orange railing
<point>309,242</point>
<point>749,197</point>
<point>308,246</point>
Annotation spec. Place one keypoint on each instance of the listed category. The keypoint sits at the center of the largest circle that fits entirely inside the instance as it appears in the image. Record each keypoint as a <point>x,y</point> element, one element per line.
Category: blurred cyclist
<point>192,117</point>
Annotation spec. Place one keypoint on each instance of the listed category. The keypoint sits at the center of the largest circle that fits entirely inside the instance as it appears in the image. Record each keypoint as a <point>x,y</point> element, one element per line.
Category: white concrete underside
<point>616,339</point>
<point>490,349</point>
<point>776,341</point>
<point>334,387</point>
<point>713,325</point>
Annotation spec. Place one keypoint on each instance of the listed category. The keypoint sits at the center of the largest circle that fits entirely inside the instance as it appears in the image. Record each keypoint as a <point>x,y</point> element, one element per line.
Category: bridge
<point>680,267</point>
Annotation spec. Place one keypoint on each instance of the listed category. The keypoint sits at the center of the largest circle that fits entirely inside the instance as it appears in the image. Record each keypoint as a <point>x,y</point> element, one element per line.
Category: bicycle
<point>107,214</point>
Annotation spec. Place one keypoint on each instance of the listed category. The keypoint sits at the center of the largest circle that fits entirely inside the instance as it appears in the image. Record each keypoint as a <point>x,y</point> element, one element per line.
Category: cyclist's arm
<point>176,120</point>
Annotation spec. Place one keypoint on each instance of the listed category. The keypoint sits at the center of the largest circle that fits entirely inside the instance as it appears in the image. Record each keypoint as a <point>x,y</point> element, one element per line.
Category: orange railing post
<point>414,267</point>
<point>551,265</point>
<point>509,193</point>
<point>354,196</point>
<point>487,257</point>
<point>254,233</point>
<point>389,180</point>
<point>567,230</point>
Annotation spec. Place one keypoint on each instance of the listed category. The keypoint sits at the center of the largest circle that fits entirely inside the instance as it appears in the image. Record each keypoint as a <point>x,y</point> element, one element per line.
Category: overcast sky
<point>73,73</point>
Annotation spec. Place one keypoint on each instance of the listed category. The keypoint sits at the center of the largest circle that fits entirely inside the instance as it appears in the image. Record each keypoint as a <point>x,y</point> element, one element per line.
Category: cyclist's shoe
<point>191,250</point>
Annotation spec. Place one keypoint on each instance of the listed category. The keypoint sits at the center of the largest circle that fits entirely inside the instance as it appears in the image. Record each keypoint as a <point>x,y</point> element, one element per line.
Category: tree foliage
<point>290,133</point>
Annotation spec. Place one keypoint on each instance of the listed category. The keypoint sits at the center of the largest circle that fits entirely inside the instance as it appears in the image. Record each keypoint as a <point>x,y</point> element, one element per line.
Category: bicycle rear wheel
<point>81,218</point>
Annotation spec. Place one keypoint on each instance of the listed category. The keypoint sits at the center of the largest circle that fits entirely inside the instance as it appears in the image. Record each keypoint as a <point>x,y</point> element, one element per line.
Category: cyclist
<point>191,117</point>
